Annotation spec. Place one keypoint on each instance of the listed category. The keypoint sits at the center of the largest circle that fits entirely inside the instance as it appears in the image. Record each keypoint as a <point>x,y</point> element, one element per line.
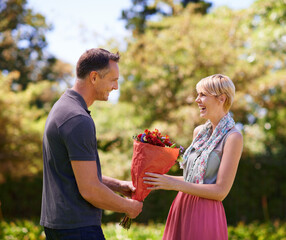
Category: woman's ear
<point>222,98</point>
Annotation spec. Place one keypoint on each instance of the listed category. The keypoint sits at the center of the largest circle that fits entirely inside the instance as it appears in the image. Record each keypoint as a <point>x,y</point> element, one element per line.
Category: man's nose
<point>115,86</point>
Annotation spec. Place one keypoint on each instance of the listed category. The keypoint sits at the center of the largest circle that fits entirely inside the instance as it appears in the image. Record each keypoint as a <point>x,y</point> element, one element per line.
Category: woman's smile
<point>202,108</point>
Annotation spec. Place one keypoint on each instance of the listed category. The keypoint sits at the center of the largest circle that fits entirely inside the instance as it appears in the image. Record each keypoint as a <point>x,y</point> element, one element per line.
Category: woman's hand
<point>160,181</point>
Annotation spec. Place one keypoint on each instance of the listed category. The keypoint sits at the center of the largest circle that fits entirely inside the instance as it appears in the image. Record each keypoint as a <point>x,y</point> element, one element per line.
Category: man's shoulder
<point>66,109</point>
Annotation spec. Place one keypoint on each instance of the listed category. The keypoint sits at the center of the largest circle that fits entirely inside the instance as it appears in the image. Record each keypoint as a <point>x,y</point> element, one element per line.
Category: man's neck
<point>81,88</point>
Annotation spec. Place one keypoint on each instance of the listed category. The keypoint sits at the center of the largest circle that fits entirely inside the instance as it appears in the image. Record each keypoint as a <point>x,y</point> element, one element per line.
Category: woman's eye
<point>201,95</point>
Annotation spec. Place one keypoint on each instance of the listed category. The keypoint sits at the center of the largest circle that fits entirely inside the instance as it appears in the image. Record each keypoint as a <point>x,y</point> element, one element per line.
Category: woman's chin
<point>203,115</point>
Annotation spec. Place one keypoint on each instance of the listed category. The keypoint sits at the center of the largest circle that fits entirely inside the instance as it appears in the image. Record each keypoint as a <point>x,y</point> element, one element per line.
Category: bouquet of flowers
<point>152,152</point>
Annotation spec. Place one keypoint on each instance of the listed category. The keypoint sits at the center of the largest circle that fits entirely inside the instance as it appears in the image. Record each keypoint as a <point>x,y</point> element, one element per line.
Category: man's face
<point>103,86</point>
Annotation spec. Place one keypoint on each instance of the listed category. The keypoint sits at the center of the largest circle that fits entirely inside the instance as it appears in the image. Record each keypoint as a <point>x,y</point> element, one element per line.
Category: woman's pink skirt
<point>194,218</point>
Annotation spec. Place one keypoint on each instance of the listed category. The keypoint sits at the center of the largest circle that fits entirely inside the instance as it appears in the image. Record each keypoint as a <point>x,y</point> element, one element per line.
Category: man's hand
<point>135,208</point>
<point>100,194</point>
<point>123,187</point>
<point>126,188</point>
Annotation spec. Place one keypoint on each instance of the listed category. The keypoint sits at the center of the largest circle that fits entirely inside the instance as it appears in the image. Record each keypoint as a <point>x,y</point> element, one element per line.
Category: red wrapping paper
<point>149,158</point>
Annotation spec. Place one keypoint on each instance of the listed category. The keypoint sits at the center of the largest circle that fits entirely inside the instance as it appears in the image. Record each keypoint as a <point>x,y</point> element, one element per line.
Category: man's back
<point>69,135</point>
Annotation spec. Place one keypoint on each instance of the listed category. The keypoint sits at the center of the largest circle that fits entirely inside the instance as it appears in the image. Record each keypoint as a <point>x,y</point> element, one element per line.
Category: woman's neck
<point>215,121</point>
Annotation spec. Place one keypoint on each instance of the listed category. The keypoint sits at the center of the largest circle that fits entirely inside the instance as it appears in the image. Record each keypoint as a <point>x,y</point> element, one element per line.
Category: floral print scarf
<point>203,144</point>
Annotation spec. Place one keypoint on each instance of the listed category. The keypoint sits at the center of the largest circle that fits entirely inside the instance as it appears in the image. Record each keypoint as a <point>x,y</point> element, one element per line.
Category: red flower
<point>154,138</point>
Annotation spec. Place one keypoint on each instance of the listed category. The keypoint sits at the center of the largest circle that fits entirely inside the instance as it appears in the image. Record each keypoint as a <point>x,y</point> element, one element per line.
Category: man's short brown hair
<point>95,59</point>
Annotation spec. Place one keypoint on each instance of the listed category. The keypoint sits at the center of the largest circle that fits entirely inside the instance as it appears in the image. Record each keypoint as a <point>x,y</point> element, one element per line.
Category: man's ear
<point>93,75</point>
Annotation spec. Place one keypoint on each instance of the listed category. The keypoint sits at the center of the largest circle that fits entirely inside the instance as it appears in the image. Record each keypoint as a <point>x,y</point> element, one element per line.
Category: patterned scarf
<point>204,143</point>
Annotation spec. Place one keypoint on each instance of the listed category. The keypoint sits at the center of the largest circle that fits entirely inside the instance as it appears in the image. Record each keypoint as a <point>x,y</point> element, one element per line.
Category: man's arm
<point>124,187</point>
<point>98,194</point>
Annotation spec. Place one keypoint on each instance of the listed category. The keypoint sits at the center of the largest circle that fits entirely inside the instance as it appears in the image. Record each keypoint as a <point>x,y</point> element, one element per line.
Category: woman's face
<point>210,106</point>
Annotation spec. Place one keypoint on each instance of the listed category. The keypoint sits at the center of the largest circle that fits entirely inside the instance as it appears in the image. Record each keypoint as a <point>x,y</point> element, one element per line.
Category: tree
<point>162,67</point>
<point>142,11</point>
<point>266,46</point>
<point>22,125</point>
<point>23,44</point>
<point>26,96</point>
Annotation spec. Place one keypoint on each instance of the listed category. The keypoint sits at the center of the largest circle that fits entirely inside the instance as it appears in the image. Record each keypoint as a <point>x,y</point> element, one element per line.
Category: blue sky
<point>83,24</point>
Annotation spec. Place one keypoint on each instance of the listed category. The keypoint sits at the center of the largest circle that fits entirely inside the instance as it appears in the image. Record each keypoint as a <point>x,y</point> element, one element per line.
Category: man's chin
<point>104,98</point>
<point>101,99</point>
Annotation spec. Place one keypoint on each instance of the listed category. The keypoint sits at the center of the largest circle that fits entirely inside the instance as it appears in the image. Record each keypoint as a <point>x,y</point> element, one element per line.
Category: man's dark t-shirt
<point>69,135</point>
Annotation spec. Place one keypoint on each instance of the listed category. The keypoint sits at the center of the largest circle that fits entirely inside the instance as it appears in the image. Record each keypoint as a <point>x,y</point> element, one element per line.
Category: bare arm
<point>180,178</point>
<point>124,187</point>
<point>225,177</point>
<point>98,194</point>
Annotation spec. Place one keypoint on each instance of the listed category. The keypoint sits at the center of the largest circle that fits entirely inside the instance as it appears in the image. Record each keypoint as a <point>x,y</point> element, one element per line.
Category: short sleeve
<point>79,137</point>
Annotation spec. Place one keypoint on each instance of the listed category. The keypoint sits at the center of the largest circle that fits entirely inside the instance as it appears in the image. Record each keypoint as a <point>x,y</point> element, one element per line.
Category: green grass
<point>30,230</point>
<point>113,231</point>
<point>258,231</point>
<point>21,230</point>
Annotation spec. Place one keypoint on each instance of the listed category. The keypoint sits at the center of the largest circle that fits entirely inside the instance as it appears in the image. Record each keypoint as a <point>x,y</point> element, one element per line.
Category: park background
<point>166,47</point>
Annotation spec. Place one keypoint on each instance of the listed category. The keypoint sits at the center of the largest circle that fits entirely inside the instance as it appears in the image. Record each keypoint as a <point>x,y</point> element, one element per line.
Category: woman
<point>210,165</point>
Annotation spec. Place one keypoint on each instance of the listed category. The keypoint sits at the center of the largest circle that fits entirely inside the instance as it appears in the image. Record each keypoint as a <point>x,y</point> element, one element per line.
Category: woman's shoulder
<point>196,130</point>
<point>234,131</point>
<point>234,136</point>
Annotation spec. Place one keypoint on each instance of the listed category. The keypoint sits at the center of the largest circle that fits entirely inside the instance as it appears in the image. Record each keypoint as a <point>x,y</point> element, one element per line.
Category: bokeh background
<point>166,47</point>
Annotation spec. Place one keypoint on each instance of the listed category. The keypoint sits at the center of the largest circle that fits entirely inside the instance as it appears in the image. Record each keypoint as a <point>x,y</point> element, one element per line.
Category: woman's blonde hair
<point>217,85</point>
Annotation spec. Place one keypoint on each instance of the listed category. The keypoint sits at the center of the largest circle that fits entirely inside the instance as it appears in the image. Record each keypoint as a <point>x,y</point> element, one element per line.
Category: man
<point>74,191</point>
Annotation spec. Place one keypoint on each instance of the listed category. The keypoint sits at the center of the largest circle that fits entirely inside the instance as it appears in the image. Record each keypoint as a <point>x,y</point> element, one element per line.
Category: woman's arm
<point>225,177</point>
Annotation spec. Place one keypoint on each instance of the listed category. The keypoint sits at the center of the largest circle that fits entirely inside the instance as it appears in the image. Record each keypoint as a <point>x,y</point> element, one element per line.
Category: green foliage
<point>175,53</point>
<point>21,197</point>
<point>142,11</point>
<point>267,111</point>
<point>267,34</point>
<point>29,230</point>
<point>256,231</point>
<point>26,70</point>
<point>115,146</point>
<point>258,192</point>
<point>21,229</point>
<point>166,63</point>
<point>23,44</point>
<point>140,232</point>
<point>22,124</point>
